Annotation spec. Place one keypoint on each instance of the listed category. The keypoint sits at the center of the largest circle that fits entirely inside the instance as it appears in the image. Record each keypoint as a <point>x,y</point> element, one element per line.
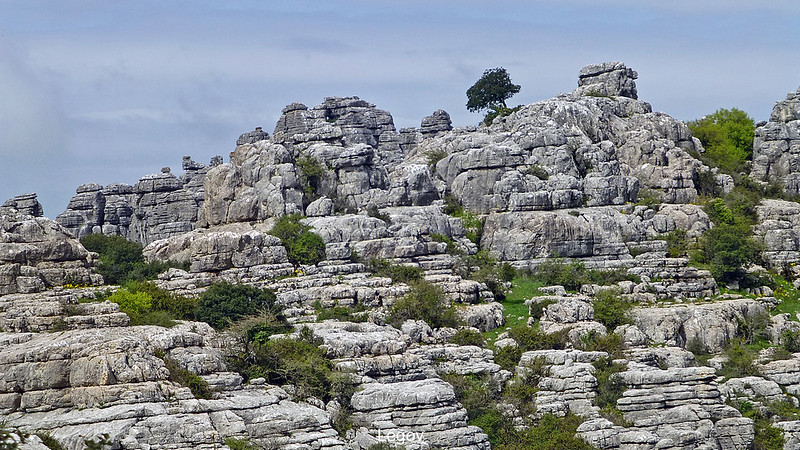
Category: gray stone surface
<point>777,144</point>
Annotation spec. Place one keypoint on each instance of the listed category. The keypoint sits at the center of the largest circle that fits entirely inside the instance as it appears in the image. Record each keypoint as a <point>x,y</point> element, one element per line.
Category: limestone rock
<point>777,144</point>
<point>610,78</point>
<point>25,204</point>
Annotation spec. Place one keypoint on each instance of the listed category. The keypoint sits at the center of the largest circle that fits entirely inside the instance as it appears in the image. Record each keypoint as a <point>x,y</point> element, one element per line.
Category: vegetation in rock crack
<point>611,309</point>
<point>483,268</point>
<point>122,261</point>
<point>341,313</point>
<point>611,343</point>
<point>609,389</point>
<point>767,436</point>
<point>727,136</point>
<point>311,174</point>
<point>521,390</point>
<point>528,339</point>
<point>303,246</point>
<point>468,336</point>
<point>740,361</point>
<point>473,224</point>
<point>49,441</point>
<point>147,304</point>
<point>240,444</point>
<point>10,438</point>
<point>425,302</point>
<point>185,377</point>
<point>490,92</point>
<point>399,273</point>
<point>297,361</point>
<point>677,243</point>
<point>223,303</point>
<point>574,274</point>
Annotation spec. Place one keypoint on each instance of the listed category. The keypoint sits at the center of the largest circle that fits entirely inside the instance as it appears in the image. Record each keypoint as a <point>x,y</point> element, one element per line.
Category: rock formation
<point>36,253</point>
<point>777,144</point>
<point>558,178</point>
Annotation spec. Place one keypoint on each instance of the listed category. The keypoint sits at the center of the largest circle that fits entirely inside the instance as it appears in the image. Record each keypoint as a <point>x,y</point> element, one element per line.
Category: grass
<point>789,298</point>
<point>516,311</point>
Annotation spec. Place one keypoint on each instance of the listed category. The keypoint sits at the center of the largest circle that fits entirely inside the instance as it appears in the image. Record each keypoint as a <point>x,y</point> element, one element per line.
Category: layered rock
<point>37,253</point>
<point>779,228</point>
<point>25,204</point>
<point>776,147</point>
<point>609,79</point>
<point>158,206</point>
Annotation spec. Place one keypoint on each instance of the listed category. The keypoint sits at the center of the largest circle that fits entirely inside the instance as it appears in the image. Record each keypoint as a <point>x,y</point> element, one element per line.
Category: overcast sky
<point>108,91</point>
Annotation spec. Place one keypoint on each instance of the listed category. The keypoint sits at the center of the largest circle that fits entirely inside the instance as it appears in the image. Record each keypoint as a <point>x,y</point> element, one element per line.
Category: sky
<point>102,91</point>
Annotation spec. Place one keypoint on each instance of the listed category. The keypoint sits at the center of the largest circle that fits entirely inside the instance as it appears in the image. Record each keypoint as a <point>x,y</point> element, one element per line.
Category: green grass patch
<point>516,311</point>
<point>789,298</point>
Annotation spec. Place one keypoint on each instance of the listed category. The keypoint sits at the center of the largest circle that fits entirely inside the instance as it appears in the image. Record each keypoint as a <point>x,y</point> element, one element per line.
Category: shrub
<point>549,433</point>
<point>121,260</point>
<point>677,243</point>
<point>472,391</point>
<point>177,374</point>
<point>767,437</point>
<point>302,245</point>
<point>468,336</point>
<point>399,273</point>
<point>728,248</point>
<point>790,339</point>
<point>484,268</point>
<point>434,156</point>
<point>424,302</point>
<point>753,328</point>
<point>224,302</point>
<point>611,343</point>
<point>727,136</point>
<point>311,173</point>
<point>508,357</point>
<point>718,212</point>
<point>705,183</point>
<point>611,310</point>
<point>572,275</point>
<point>132,303</point>
<point>740,362</point>
<point>240,444</point>
<point>11,438</point>
<point>609,385</point>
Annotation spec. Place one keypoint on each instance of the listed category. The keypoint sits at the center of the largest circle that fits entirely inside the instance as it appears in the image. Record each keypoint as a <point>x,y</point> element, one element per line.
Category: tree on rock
<point>491,92</point>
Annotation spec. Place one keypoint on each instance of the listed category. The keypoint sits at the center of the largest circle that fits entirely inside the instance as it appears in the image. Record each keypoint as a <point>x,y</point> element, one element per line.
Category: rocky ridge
<point>557,178</point>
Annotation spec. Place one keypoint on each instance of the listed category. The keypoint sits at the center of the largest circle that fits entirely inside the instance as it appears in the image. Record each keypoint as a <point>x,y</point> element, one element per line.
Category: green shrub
<point>677,243</point>
<point>485,269</point>
<point>132,303</point>
<point>767,437</point>
<point>311,174</point>
<point>302,245</point>
<point>452,247</point>
<point>740,362</point>
<point>537,171</point>
<point>298,361</point>
<point>611,343</point>
<point>11,438</point>
<point>753,329</point>
<point>177,374</point>
<point>373,211</point>
<point>340,313</point>
<point>399,273</point>
<point>611,310</point>
<point>224,302</point>
<point>121,260</point>
<point>434,156</point>
<point>705,183</point>
<point>728,248</point>
<point>727,136</point>
<point>550,432</point>
<point>240,444</point>
<point>508,357</point>
<point>790,339</point>
<point>572,275</point>
<point>472,391</point>
<point>718,212</point>
<point>468,336</point>
<point>424,302</point>
<point>609,385</point>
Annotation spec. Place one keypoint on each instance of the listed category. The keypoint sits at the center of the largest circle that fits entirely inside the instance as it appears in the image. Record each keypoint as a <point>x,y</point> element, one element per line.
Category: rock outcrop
<point>37,253</point>
<point>776,147</point>
<point>158,206</point>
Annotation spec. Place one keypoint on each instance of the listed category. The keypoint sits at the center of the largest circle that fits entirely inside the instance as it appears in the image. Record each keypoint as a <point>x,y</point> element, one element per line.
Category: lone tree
<point>491,92</point>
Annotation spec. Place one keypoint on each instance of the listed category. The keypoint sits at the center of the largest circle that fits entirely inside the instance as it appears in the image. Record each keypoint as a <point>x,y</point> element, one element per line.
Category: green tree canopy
<point>491,91</point>
<point>727,136</point>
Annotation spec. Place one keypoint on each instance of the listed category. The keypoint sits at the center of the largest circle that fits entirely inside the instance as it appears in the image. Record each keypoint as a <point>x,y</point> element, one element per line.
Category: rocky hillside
<point>388,314</point>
